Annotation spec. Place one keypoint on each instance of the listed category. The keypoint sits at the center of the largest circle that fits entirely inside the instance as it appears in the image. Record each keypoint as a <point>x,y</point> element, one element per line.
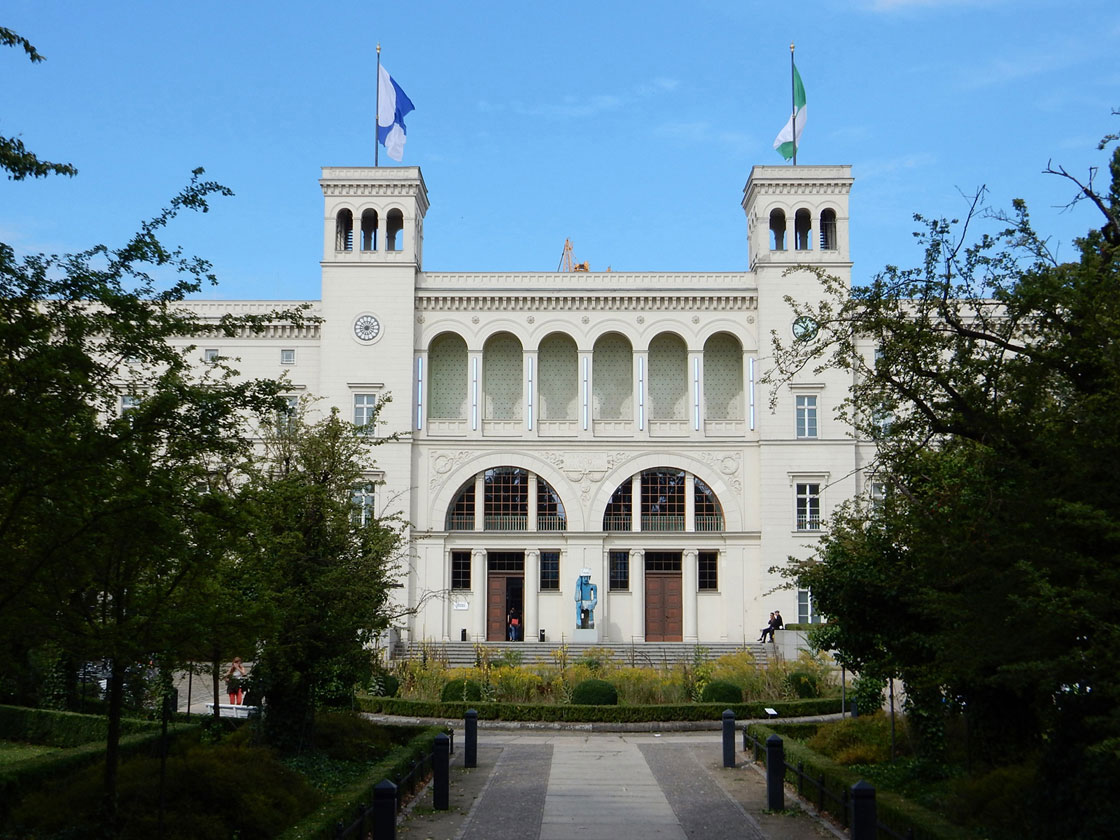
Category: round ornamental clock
<point>367,328</point>
<point>805,328</point>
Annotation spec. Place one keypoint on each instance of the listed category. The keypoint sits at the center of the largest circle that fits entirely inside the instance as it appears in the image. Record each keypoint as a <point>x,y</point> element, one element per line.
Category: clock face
<point>367,328</point>
<point>805,328</point>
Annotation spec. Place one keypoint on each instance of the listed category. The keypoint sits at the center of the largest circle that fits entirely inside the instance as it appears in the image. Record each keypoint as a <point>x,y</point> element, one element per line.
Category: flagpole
<point>792,98</point>
<point>376,102</point>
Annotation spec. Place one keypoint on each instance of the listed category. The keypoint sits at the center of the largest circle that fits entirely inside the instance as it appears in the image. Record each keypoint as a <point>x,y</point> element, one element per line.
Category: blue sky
<point>628,127</point>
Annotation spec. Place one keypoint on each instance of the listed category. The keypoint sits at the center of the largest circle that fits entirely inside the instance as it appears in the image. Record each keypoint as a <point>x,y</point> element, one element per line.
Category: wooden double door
<point>664,602</point>
<point>505,594</point>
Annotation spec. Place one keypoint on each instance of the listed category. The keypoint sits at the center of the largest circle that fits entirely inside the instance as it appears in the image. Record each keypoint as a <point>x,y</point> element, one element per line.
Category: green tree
<point>988,380</point>
<point>326,565</point>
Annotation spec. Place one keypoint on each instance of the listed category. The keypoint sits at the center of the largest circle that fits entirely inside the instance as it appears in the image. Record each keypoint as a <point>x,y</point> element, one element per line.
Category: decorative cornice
<point>588,302</point>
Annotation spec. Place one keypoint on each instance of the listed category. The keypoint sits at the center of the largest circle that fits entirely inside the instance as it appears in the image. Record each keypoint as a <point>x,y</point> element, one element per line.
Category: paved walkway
<point>560,785</point>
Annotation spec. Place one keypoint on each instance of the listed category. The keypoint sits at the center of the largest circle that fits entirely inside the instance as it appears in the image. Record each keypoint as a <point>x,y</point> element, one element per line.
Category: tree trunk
<point>113,742</point>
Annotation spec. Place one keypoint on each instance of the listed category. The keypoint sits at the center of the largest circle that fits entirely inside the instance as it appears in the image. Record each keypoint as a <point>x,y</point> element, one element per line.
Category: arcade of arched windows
<point>513,499</point>
<point>802,233</point>
<point>376,231</point>
<point>613,389</point>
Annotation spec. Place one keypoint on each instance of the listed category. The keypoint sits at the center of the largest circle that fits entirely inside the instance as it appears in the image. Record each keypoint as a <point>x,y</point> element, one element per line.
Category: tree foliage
<point>325,564</point>
<point>988,381</point>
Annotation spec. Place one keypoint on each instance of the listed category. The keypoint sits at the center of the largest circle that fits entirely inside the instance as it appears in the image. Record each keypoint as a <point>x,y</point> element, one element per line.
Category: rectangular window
<point>460,570</point>
<point>365,408</point>
<point>805,612</point>
<point>362,498</point>
<point>550,570</point>
<point>210,355</point>
<point>878,495</point>
<point>707,573</point>
<point>808,507</point>
<point>620,570</point>
<point>806,416</point>
<point>287,357</point>
<point>128,403</point>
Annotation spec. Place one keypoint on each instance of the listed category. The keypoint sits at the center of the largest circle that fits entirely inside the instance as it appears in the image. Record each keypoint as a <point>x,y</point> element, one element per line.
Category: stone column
<point>478,591</point>
<point>689,502</point>
<point>688,594</point>
<point>636,502</point>
<point>531,504</point>
<point>480,502</point>
<point>638,593</point>
<point>531,616</point>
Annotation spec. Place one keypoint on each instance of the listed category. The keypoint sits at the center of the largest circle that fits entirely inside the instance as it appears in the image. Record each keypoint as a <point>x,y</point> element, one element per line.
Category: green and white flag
<point>787,142</point>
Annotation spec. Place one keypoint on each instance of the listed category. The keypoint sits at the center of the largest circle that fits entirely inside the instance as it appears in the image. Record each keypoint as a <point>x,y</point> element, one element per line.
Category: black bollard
<point>775,774</point>
<point>864,818</point>
<point>470,745</point>
<point>441,781</point>
<point>385,810</point>
<point>728,738</point>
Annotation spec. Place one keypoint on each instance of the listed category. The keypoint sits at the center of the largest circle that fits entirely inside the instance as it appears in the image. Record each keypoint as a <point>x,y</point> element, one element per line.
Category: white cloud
<point>573,107</point>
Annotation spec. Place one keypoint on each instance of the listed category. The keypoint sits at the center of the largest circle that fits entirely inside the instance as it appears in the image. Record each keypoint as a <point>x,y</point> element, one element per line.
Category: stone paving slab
<point>513,801</point>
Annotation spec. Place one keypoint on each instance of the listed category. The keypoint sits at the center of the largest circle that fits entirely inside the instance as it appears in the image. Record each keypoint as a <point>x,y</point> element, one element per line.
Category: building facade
<point>609,424</point>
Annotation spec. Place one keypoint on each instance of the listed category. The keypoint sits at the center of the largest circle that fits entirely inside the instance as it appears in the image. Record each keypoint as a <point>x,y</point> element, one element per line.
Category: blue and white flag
<point>392,105</point>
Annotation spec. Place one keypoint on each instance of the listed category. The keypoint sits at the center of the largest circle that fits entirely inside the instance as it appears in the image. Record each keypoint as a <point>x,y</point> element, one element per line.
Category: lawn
<point>12,752</point>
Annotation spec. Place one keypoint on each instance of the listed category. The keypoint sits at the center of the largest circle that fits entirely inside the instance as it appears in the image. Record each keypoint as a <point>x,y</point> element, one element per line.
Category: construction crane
<point>566,263</point>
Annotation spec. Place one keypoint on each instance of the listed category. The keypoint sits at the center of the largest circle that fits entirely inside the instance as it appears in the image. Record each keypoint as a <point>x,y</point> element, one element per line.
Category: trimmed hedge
<point>894,811</point>
<point>596,714</point>
<point>343,806</point>
<point>61,729</point>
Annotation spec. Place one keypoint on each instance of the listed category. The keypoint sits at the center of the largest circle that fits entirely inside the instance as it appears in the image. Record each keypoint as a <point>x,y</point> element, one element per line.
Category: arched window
<point>447,377</point>
<point>828,230</point>
<point>802,229</point>
<point>663,496</point>
<point>344,230</point>
<point>507,499</point>
<point>394,227</point>
<point>558,362</point>
<point>369,230</point>
<point>668,378</point>
<point>502,377</point>
<point>777,230</point>
<point>613,378</point>
<point>723,377</point>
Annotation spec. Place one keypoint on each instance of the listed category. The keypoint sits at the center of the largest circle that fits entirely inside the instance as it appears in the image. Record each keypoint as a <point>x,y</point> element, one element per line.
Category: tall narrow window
<point>708,513</point>
<point>802,229</point>
<point>808,507</point>
<point>394,230</point>
<point>460,516</point>
<point>707,570</point>
<point>550,510</point>
<point>550,571</point>
<point>662,500</point>
<point>460,570</point>
<point>344,231</point>
<point>806,613</point>
<point>507,499</point>
<point>369,230</point>
<point>362,499</point>
<point>617,515</point>
<point>806,405</point>
<point>777,230</point>
<point>620,570</point>
<point>828,230</point>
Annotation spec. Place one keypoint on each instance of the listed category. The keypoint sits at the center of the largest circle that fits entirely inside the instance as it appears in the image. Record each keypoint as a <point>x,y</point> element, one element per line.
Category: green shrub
<point>211,792</point>
<point>803,684</point>
<point>594,693</point>
<point>862,740</point>
<point>384,685</point>
<point>867,692</point>
<point>721,691</point>
<point>461,690</point>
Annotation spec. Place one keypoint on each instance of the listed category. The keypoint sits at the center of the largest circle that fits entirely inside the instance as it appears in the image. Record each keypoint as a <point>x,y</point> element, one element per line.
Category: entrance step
<point>645,654</point>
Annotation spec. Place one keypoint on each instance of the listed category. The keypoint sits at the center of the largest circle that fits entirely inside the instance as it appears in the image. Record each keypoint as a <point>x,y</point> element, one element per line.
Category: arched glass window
<point>369,230</point>
<point>663,500</point>
<point>709,515</point>
<point>777,230</point>
<point>344,230</point>
<point>617,515</point>
<point>394,227</point>
<point>506,502</point>
<point>802,229</point>
<point>828,230</point>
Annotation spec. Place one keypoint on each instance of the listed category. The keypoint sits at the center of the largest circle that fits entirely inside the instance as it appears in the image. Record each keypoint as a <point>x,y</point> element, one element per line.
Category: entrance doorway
<point>664,604</point>
<point>505,594</point>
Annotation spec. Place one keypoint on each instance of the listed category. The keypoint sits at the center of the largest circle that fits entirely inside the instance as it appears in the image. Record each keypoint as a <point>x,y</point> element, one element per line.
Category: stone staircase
<point>645,654</point>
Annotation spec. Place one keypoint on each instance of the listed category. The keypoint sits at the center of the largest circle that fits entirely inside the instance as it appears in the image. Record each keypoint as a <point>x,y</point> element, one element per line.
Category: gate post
<point>864,818</point>
<point>728,738</point>
<point>385,810</point>
<point>470,745</point>
<point>441,782</point>
<point>775,774</point>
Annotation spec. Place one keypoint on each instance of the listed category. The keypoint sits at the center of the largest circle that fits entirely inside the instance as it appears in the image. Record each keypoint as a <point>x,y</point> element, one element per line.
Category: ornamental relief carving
<point>443,463</point>
<point>584,469</point>
<point>728,464</point>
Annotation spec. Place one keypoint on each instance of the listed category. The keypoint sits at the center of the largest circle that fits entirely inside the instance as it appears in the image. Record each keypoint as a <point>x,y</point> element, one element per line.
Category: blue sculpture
<point>587,596</point>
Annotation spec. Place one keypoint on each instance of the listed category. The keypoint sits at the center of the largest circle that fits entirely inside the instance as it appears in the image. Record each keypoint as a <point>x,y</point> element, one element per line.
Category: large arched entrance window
<point>506,499</point>
<point>668,500</point>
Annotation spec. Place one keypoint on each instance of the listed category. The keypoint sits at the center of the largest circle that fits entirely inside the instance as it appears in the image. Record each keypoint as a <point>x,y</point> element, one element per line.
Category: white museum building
<point>610,424</point>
